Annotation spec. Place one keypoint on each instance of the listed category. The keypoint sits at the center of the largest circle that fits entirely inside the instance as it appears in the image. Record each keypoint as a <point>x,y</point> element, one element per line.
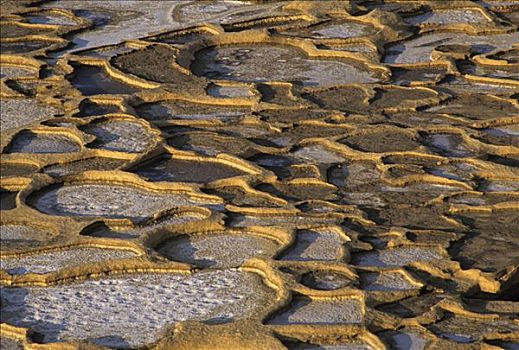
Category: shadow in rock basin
<point>7,200</point>
<point>94,80</point>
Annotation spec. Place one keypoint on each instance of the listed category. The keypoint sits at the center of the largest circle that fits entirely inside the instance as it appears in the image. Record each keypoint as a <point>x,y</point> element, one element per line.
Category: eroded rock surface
<point>290,174</point>
<point>131,311</point>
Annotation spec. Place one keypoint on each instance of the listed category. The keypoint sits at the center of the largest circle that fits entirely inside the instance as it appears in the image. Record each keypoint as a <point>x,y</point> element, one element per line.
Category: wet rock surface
<point>285,174</point>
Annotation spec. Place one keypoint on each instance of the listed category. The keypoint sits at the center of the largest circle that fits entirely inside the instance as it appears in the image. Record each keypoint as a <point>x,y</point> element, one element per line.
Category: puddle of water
<point>500,74</point>
<point>132,311</point>
<point>262,63</point>
<point>468,199</point>
<point>280,165</point>
<point>217,250</point>
<point>98,18</point>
